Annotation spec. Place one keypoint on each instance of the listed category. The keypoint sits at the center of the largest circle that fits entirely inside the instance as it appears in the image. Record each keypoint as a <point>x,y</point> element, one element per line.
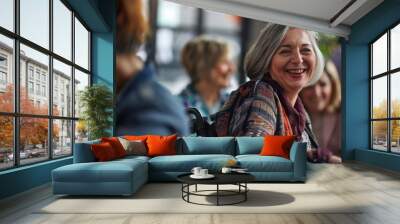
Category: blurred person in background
<point>210,68</point>
<point>143,105</point>
<point>280,63</point>
<point>322,101</point>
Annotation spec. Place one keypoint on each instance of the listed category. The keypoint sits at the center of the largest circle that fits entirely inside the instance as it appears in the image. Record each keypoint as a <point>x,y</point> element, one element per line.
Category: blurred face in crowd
<point>317,97</point>
<point>222,73</point>
<point>294,61</point>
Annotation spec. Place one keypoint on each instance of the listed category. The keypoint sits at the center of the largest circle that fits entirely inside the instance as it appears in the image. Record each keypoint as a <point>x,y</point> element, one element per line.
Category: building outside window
<point>43,90</point>
<point>3,78</point>
<point>37,74</point>
<point>385,95</point>
<point>3,72</point>
<point>30,87</point>
<point>44,77</point>
<point>30,72</point>
<point>58,133</point>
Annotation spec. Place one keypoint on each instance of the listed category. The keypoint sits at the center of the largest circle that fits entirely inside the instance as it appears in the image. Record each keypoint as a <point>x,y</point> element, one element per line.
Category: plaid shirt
<point>191,98</point>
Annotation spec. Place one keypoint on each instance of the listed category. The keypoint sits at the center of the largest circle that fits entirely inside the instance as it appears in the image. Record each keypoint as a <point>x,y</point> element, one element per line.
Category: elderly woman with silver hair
<point>282,61</point>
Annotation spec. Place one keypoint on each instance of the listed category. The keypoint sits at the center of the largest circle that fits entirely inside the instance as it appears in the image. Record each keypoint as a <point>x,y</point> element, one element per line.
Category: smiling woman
<point>281,62</point>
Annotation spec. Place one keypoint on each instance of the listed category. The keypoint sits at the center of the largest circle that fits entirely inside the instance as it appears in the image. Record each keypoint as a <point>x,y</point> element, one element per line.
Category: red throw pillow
<point>161,145</point>
<point>116,145</point>
<point>103,152</point>
<point>277,146</point>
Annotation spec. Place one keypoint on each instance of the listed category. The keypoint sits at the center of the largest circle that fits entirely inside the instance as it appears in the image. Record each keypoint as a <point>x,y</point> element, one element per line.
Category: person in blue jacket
<point>143,105</point>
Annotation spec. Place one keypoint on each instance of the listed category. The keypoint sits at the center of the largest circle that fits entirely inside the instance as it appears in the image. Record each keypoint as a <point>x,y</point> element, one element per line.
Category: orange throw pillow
<point>116,145</point>
<point>103,152</point>
<point>277,146</point>
<point>135,137</point>
<point>161,145</point>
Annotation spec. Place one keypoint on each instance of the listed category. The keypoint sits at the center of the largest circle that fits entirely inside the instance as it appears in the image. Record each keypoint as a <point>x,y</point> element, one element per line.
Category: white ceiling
<point>317,15</point>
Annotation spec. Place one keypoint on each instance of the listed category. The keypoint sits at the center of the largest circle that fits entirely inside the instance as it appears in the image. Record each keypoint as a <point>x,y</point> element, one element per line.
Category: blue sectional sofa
<point>125,176</point>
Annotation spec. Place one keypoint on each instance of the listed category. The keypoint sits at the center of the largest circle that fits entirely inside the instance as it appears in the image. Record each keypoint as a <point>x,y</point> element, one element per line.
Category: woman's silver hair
<point>258,57</point>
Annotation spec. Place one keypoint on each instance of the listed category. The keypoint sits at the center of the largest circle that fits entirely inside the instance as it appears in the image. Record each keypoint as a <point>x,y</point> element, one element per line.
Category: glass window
<point>379,56</point>
<point>3,78</point>
<point>395,47</point>
<point>81,131</point>
<point>81,45</point>
<point>379,133</point>
<point>62,72</point>
<point>7,14</point>
<point>34,79</point>
<point>221,22</point>
<point>379,98</point>
<point>33,140</point>
<point>30,87</point>
<point>62,138</point>
<point>395,95</point>
<point>169,45</point>
<point>30,71</point>
<point>395,136</point>
<point>81,81</point>
<point>3,61</point>
<point>175,15</point>
<point>62,29</point>
<point>385,125</point>
<point>35,21</point>
<point>40,62</point>
<point>6,73</point>
<point>43,90</point>
<point>6,142</point>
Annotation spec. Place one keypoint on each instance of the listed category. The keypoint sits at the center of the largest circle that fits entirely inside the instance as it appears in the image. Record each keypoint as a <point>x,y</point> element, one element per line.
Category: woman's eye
<point>285,51</point>
<point>306,50</point>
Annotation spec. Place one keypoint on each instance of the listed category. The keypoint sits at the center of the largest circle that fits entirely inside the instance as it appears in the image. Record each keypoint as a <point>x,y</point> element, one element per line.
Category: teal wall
<point>24,178</point>
<point>103,54</point>
<point>356,103</point>
<point>99,16</point>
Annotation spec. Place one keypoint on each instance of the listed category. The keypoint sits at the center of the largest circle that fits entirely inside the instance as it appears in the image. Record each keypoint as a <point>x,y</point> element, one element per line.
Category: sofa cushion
<point>206,145</point>
<point>161,145</point>
<point>257,163</point>
<point>103,152</point>
<point>116,145</point>
<point>277,146</point>
<point>249,145</point>
<point>185,163</point>
<point>135,147</point>
<point>83,152</point>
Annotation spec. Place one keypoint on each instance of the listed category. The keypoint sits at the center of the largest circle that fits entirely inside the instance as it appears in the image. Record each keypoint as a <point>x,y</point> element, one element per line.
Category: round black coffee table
<point>238,179</point>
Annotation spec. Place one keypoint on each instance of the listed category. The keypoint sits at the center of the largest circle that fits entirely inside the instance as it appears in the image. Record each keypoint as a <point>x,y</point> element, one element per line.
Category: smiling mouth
<point>296,71</point>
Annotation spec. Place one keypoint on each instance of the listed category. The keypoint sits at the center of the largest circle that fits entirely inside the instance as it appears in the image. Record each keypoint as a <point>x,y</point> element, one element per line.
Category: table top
<point>220,178</point>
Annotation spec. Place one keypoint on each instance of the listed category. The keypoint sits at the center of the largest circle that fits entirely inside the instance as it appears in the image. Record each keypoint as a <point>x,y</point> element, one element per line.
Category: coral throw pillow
<point>116,145</point>
<point>277,146</point>
<point>103,152</point>
<point>161,145</point>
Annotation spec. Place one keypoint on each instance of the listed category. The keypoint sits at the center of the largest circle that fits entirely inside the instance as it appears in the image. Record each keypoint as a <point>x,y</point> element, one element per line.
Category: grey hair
<point>258,58</point>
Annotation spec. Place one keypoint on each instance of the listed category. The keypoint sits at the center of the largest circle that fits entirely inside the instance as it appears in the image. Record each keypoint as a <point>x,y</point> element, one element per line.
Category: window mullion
<point>371,89</point>
<point>50,81</point>
<point>16,84</point>
<point>389,106</point>
<point>73,83</point>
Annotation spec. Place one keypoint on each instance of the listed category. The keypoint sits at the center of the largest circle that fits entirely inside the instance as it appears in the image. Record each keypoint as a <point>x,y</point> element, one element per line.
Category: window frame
<point>388,74</point>
<point>16,115</point>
